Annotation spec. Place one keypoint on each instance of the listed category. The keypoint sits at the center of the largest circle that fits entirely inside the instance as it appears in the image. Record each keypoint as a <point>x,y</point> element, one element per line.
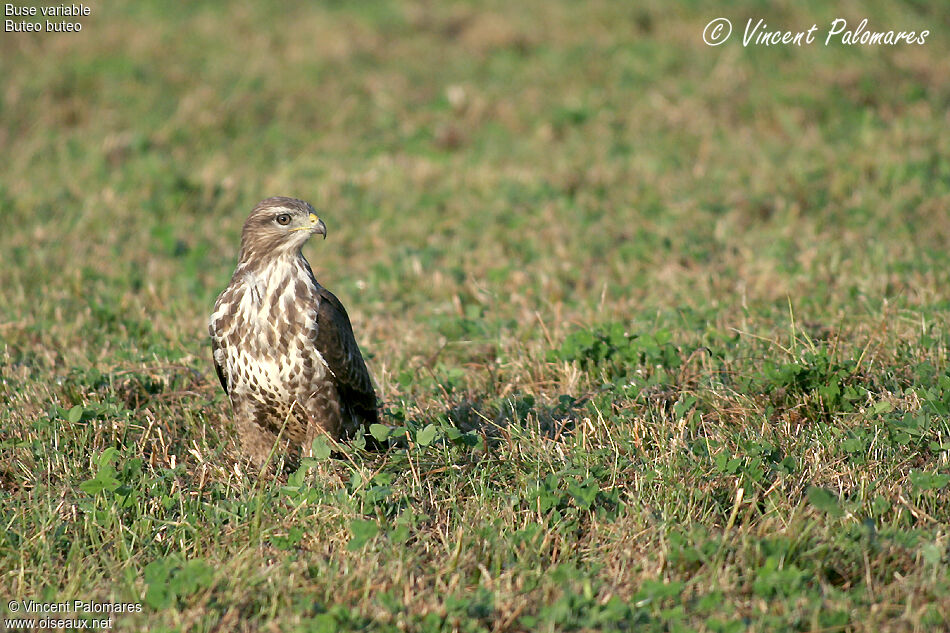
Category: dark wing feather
<point>337,345</point>
<point>217,367</point>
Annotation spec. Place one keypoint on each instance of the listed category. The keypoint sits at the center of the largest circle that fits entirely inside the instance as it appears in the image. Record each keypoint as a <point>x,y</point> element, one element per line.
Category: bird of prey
<point>282,344</point>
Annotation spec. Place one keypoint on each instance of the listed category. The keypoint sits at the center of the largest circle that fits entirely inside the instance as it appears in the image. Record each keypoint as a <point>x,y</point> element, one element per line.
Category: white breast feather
<point>254,312</point>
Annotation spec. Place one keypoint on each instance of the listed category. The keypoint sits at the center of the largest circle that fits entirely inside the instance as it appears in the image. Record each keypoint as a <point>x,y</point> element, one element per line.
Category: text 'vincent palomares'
<point>757,33</point>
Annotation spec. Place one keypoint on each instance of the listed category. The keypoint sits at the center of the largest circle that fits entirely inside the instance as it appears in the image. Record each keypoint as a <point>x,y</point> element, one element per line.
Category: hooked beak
<point>317,226</point>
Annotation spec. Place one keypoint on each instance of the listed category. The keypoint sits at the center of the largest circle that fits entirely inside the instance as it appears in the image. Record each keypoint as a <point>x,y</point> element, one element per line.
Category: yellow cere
<point>313,220</point>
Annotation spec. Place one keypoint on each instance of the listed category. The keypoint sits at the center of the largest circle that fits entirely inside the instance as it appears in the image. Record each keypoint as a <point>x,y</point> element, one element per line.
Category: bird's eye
<point>283,219</point>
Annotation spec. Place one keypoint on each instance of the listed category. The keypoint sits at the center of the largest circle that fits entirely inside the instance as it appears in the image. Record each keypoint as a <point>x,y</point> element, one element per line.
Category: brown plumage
<point>282,344</point>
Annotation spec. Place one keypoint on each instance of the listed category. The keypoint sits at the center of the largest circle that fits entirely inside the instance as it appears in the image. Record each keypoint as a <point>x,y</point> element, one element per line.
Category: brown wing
<point>337,345</point>
<point>214,358</point>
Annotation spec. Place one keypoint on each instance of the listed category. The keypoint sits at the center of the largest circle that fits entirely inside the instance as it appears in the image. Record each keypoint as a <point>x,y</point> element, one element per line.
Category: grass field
<point>661,328</point>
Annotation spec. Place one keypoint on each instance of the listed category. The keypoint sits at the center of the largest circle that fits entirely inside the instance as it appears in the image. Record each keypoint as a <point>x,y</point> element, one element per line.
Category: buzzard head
<point>279,226</point>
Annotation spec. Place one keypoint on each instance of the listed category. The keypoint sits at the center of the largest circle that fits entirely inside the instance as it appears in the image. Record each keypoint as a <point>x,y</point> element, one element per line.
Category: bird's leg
<point>256,440</point>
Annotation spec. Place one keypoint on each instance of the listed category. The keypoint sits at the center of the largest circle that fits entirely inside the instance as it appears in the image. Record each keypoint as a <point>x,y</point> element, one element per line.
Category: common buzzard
<point>282,344</point>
